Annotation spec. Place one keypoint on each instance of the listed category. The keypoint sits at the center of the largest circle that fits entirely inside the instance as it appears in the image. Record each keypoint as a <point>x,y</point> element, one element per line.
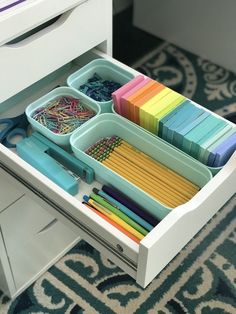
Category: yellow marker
<point>115,218</point>
<point>144,109</point>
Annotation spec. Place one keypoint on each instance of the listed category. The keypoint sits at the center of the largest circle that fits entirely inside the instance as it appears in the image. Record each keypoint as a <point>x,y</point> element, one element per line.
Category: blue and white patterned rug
<point>200,279</point>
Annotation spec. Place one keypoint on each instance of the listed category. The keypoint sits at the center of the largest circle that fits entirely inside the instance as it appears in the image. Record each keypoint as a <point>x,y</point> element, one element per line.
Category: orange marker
<point>114,224</point>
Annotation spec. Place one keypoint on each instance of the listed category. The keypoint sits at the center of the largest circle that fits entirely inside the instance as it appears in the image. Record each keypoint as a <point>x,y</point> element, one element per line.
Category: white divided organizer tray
<point>68,217</point>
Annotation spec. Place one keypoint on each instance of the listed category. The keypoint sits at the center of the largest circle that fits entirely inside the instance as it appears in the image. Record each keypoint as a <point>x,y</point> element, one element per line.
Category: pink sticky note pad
<point>116,96</point>
<point>124,97</point>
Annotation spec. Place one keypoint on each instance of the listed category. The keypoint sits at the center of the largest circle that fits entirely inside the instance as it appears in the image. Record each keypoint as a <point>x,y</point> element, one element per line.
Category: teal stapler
<point>54,162</point>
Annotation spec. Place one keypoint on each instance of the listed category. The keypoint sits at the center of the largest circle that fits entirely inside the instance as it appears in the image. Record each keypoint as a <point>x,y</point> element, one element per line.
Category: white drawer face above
<point>26,15</point>
<point>143,260</point>
<point>73,33</point>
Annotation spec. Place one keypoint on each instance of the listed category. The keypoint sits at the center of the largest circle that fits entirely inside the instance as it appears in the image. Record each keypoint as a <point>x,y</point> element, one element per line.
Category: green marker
<point>118,213</point>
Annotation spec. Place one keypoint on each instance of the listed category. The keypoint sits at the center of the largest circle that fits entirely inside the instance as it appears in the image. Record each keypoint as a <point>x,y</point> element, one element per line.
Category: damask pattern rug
<point>200,279</point>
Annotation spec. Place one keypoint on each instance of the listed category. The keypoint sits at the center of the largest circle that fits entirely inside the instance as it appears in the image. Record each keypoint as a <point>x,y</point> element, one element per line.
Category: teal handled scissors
<point>11,128</point>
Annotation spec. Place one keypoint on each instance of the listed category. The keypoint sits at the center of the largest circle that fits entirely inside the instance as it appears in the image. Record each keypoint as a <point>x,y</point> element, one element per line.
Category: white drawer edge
<point>31,14</point>
<point>159,247</point>
<point>75,210</point>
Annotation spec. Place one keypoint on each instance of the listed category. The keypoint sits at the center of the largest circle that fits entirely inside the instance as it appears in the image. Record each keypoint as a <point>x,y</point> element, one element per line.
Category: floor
<point>127,38</point>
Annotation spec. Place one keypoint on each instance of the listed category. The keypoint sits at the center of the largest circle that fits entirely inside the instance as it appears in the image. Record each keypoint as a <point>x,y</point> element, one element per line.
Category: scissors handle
<point>15,133</point>
<point>5,126</point>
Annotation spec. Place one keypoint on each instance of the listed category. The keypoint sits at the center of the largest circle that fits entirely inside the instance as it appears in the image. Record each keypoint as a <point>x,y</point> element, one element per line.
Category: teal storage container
<point>109,124</point>
<point>104,68</point>
<point>60,139</point>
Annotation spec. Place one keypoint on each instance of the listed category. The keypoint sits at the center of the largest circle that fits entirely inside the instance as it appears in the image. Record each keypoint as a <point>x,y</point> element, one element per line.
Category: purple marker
<point>117,195</point>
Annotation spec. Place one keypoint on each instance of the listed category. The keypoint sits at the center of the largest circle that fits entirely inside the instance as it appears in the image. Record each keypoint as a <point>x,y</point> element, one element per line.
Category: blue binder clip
<point>53,161</point>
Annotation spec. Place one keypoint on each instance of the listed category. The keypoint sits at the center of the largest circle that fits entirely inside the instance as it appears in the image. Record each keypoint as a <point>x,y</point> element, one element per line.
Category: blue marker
<point>124,209</point>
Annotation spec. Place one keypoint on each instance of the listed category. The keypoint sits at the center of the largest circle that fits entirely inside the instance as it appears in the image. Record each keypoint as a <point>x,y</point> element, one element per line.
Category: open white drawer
<point>143,262</point>
<point>74,32</point>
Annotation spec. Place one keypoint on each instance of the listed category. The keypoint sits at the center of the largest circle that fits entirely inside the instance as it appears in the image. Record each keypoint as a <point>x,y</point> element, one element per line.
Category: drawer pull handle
<point>47,227</point>
<point>42,29</point>
<point>120,248</point>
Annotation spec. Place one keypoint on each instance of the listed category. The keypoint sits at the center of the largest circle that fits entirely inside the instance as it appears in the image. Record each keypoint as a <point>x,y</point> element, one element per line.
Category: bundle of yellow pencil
<point>162,183</point>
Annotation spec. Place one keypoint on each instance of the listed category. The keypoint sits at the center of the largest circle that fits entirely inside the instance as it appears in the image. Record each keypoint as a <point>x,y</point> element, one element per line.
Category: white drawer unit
<point>141,261</point>
<point>30,59</point>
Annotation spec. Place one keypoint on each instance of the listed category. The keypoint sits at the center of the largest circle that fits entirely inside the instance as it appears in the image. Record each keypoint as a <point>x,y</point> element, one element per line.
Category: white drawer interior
<point>142,261</point>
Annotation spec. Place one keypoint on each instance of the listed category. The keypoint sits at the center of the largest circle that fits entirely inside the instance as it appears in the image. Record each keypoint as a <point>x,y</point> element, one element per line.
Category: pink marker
<point>116,96</point>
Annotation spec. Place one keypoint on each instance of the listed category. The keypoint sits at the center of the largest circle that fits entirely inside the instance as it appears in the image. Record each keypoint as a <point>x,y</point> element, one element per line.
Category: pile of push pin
<point>99,89</point>
<point>63,115</point>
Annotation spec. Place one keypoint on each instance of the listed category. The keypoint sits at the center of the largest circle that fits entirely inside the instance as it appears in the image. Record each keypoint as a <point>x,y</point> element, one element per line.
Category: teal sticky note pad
<point>180,132</point>
<point>201,130</point>
<point>184,117</point>
<point>171,116</point>
<point>196,146</point>
<point>218,136</point>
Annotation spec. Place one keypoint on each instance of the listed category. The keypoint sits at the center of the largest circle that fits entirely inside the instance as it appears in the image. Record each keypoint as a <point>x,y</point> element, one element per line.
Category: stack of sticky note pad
<point>177,120</point>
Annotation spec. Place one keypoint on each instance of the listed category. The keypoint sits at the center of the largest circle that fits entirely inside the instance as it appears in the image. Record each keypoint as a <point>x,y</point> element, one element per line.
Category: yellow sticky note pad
<point>144,109</point>
<point>166,111</point>
<point>162,107</point>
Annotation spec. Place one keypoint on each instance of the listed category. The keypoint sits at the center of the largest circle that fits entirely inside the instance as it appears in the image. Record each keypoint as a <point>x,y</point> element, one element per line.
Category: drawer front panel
<point>28,15</point>
<point>32,239</point>
<point>9,192</point>
<point>33,58</point>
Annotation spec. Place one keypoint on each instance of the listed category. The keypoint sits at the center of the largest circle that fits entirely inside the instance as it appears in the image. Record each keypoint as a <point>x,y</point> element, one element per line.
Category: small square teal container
<point>109,124</point>
<point>60,139</point>
<point>107,71</point>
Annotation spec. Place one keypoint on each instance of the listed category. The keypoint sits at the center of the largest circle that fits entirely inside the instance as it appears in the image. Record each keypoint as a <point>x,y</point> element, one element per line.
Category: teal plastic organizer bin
<point>60,139</point>
<point>104,68</point>
<point>214,170</point>
<point>109,124</point>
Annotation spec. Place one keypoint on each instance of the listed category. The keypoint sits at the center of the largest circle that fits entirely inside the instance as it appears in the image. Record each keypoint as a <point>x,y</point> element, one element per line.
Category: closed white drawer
<point>144,261</point>
<point>9,193</point>
<point>32,238</point>
<point>76,31</point>
<point>29,14</point>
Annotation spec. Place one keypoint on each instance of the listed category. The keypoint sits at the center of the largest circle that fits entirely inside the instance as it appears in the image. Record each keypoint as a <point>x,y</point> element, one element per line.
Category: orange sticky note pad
<point>137,95</point>
<point>151,92</point>
<point>125,109</point>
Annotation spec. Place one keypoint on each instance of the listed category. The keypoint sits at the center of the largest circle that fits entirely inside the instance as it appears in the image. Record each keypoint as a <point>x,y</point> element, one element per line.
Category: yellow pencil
<point>138,182</point>
<point>158,166</point>
<point>115,218</point>
<point>147,177</point>
<point>161,175</point>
